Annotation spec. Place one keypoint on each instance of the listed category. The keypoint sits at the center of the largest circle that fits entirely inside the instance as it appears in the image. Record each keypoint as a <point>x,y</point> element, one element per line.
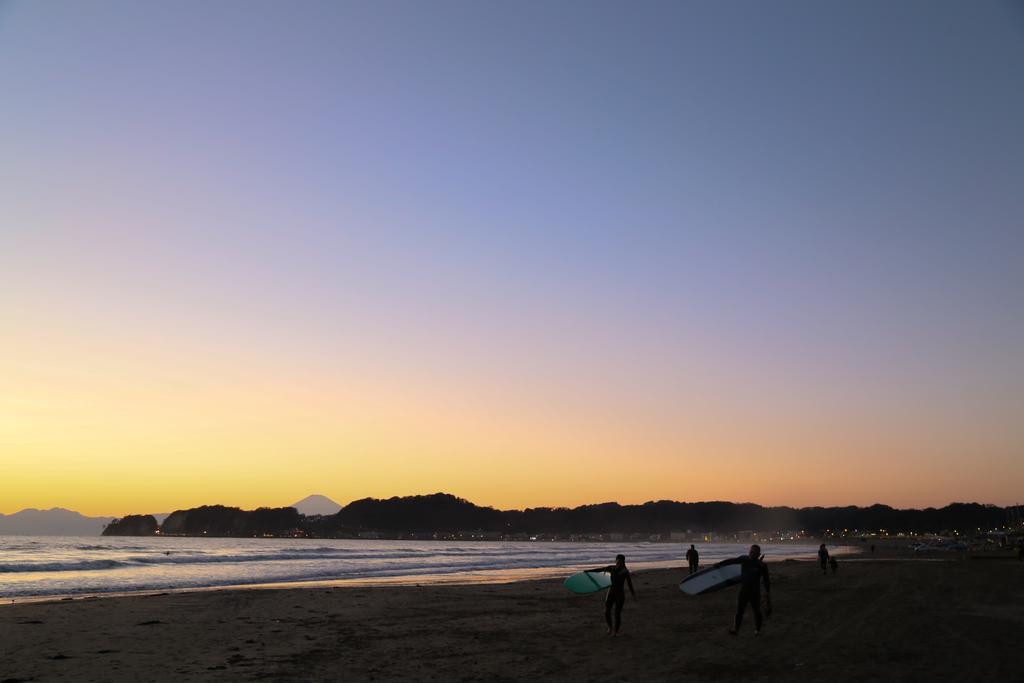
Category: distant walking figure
<point>823,558</point>
<point>834,563</point>
<point>616,592</point>
<point>754,573</point>
<point>693,559</point>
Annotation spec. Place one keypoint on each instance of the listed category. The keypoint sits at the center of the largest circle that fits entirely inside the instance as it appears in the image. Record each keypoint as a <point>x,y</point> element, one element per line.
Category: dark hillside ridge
<point>444,513</point>
<point>132,525</point>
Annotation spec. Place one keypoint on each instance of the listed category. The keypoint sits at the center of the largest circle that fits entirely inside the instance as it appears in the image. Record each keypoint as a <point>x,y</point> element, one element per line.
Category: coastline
<point>397,573</point>
<point>885,619</point>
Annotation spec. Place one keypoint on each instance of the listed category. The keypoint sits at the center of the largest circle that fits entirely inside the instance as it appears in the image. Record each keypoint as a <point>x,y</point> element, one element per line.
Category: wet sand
<point>875,620</point>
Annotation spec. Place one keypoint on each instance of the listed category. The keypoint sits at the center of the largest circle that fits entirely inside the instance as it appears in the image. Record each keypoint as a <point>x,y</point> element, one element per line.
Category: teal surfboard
<point>588,582</point>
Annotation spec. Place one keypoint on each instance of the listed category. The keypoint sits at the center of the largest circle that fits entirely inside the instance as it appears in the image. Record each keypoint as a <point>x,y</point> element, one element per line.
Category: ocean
<point>37,566</point>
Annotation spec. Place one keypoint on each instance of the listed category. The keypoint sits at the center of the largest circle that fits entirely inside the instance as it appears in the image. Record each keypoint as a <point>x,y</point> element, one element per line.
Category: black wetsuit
<point>754,572</point>
<point>616,593</point>
<point>823,559</point>
<point>693,558</point>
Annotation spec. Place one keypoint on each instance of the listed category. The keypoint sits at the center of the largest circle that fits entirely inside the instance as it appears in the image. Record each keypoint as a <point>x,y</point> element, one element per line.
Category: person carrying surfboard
<point>754,572</point>
<point>616,592</point>
<point>823,558</point>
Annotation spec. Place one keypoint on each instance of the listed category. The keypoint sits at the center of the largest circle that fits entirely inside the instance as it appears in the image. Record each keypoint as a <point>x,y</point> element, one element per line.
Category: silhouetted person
<point>823,558</point>
<point>754,572</point>
<point>834,563</point>
<point>616,592</point>
<point>693,559</point>
<point>872,547</point>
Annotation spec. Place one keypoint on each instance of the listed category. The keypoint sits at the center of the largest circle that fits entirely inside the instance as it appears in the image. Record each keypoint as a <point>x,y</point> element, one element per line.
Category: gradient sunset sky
<point>538,253</point>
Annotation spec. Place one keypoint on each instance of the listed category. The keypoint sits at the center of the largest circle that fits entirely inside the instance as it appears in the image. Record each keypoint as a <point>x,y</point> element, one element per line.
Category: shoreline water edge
<point>36,568</point>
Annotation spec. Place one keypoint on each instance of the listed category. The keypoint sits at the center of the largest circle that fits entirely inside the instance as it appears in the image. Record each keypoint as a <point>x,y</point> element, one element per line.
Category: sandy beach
<point>877,619</point>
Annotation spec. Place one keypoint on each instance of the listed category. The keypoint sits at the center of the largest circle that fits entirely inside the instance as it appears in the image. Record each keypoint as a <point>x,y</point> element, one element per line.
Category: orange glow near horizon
<point>142,425</point>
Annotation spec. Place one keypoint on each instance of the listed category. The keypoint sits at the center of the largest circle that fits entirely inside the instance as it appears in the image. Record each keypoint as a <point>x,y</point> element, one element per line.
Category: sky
<point>537,253</point>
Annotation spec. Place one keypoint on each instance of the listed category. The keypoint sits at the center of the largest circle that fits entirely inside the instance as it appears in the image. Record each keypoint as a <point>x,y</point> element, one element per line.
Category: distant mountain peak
<point>316,504</point>
<point>52,522</point>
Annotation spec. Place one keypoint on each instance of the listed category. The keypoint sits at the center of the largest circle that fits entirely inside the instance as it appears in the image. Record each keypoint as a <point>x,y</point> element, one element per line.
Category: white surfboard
<point>711,579</point>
